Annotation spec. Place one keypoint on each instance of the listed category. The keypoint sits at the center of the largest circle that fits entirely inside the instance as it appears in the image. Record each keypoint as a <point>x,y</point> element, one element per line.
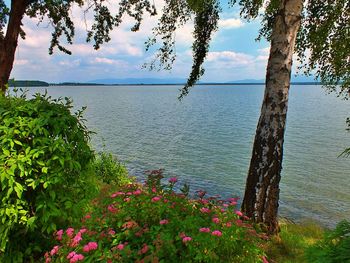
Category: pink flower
<point>120,246</point>
<point>239,222</point>
<point>204,210</point>
<point>216,233</point>
<point>264,259</point>
<point>144,249</point>
<point>225,205</point>
<point>154,190</point>
<point>76,257</point>
<point>76,240</point>
<point>233,203</point>
<point>71,254</point>
<point>54,250</point>
<point>47,260</point>
<point>137,192</point>
<point>204,230</point>
<point>90,246</point>
<point>163,222</point>
<point>83,230</point>
<point>228,224</point>
<point>216,220</point>
<point>59,235</point>
<point>116,194</point>
<point>70,232</point>
<point>111,232</point>
<point>239,213</point>
<point>156,199</point>
<point>173,180</point>
<point>88,216</point>
<point>127,199</point>
<point>182,234</point>
<point>186,239</point>
<point>112,209</point>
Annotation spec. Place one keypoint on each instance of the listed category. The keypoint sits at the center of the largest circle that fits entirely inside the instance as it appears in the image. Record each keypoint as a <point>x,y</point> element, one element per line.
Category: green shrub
<point>44,172</point>
<point>155,224</point>
<point>334,247</point>
<point>109,170</point>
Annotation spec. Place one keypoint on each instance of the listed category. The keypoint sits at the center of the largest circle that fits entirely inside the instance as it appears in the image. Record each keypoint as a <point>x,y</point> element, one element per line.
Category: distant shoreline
<point>25,83</point>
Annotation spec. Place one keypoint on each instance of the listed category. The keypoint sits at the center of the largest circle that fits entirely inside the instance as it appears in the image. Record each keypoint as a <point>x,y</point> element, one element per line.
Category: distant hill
<point>27,83</point>
<point>138,81</point>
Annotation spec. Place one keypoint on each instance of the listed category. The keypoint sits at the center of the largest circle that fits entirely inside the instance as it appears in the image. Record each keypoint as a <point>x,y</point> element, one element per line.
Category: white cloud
<point>21,62</point>
<point>230,57</point>
<point>230,23</point>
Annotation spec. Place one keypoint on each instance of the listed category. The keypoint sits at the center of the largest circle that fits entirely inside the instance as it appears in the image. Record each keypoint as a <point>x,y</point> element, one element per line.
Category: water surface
<point>206,140</point>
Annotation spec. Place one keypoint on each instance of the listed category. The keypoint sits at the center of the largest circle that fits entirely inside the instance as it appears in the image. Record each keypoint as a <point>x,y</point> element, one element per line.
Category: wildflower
<point>71,254</point>
<point>163,222</point>
<point>228,224</point>
<point>186,239</point>
<point>264,259</point>
<point>70,232</point>
<point>117,194</point>
<point>120,246</point>
<point>239,213</point>
<point>216,233</point>
<point>216,220</point>
<point>204,230</point>
<point>90,246</point>
<point>225,205</point>
<point>173,180</point>
<point>144,249</point>
<point>201,193</point>
<point>182,235</point>
<point>137,192</point>
<point>127,199</point>
<point>239,222</point>
<point>76,257</point>
<point>59,234</point>
<point>76,240</point>
<point>54,250</point>
<point>111,232</point>
<point>82,230</point>
<point>88,216</point>
<point>112,209</point>
<point>156,198</point>
<point>47,260</point>
<point>204,210</point>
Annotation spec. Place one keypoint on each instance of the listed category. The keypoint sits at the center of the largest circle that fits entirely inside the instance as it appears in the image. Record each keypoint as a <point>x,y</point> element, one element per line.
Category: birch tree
<point>319,33</point>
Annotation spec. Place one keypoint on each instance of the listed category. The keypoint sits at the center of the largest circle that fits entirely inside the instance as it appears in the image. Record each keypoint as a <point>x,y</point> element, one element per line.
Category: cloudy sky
<point>234,53</point>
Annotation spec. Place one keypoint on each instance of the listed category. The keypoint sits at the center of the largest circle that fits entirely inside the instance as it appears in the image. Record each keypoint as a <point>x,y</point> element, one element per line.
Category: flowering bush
<point>45,172</point>
<point>152,223</point>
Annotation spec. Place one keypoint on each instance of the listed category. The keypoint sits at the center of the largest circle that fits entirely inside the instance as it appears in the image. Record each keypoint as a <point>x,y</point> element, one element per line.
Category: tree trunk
<point>8,44</point>
<point>262,187</point>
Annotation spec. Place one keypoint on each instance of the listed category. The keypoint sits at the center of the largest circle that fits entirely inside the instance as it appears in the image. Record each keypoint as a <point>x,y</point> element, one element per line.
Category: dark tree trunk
<point>8,43</point>
<point>262,187</point>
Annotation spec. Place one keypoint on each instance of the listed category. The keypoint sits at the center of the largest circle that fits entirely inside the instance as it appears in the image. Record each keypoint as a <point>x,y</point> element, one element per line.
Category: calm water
<point>206,140</point>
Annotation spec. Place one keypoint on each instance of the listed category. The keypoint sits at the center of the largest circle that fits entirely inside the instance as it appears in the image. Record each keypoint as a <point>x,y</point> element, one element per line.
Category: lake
<point>206,139</point>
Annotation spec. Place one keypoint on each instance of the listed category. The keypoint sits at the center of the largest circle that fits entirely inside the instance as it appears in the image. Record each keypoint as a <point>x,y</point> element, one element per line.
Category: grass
<point>293,240</point>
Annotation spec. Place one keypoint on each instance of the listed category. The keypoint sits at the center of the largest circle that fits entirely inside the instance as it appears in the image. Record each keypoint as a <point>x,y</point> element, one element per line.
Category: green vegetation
<point>152,223</point>
<point>334,247</point>
<point>45,172</point>
<point>27,83</point>
<point>108,170</point>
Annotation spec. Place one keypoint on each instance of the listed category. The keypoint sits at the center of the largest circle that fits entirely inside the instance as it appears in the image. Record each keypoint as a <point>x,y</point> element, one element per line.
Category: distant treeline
<point>27,83</point>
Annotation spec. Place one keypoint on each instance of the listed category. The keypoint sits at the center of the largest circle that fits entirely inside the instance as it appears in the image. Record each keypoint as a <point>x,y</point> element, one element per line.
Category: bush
<point>155,224</point>
<point>44,169</point>
<point>110,171</point>
<point>334,247</point>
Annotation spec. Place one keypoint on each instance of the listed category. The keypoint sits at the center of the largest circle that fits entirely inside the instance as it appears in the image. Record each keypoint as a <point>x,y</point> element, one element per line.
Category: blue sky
<point>234,53</point>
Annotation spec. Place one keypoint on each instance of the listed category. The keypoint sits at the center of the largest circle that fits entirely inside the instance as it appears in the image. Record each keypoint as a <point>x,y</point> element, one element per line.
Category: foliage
<point>323,42</point>
<point>109,170</point>
<point>154,224</point>
<point>334,247</point>
<point>292,241</point>
<point>44,169</point>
